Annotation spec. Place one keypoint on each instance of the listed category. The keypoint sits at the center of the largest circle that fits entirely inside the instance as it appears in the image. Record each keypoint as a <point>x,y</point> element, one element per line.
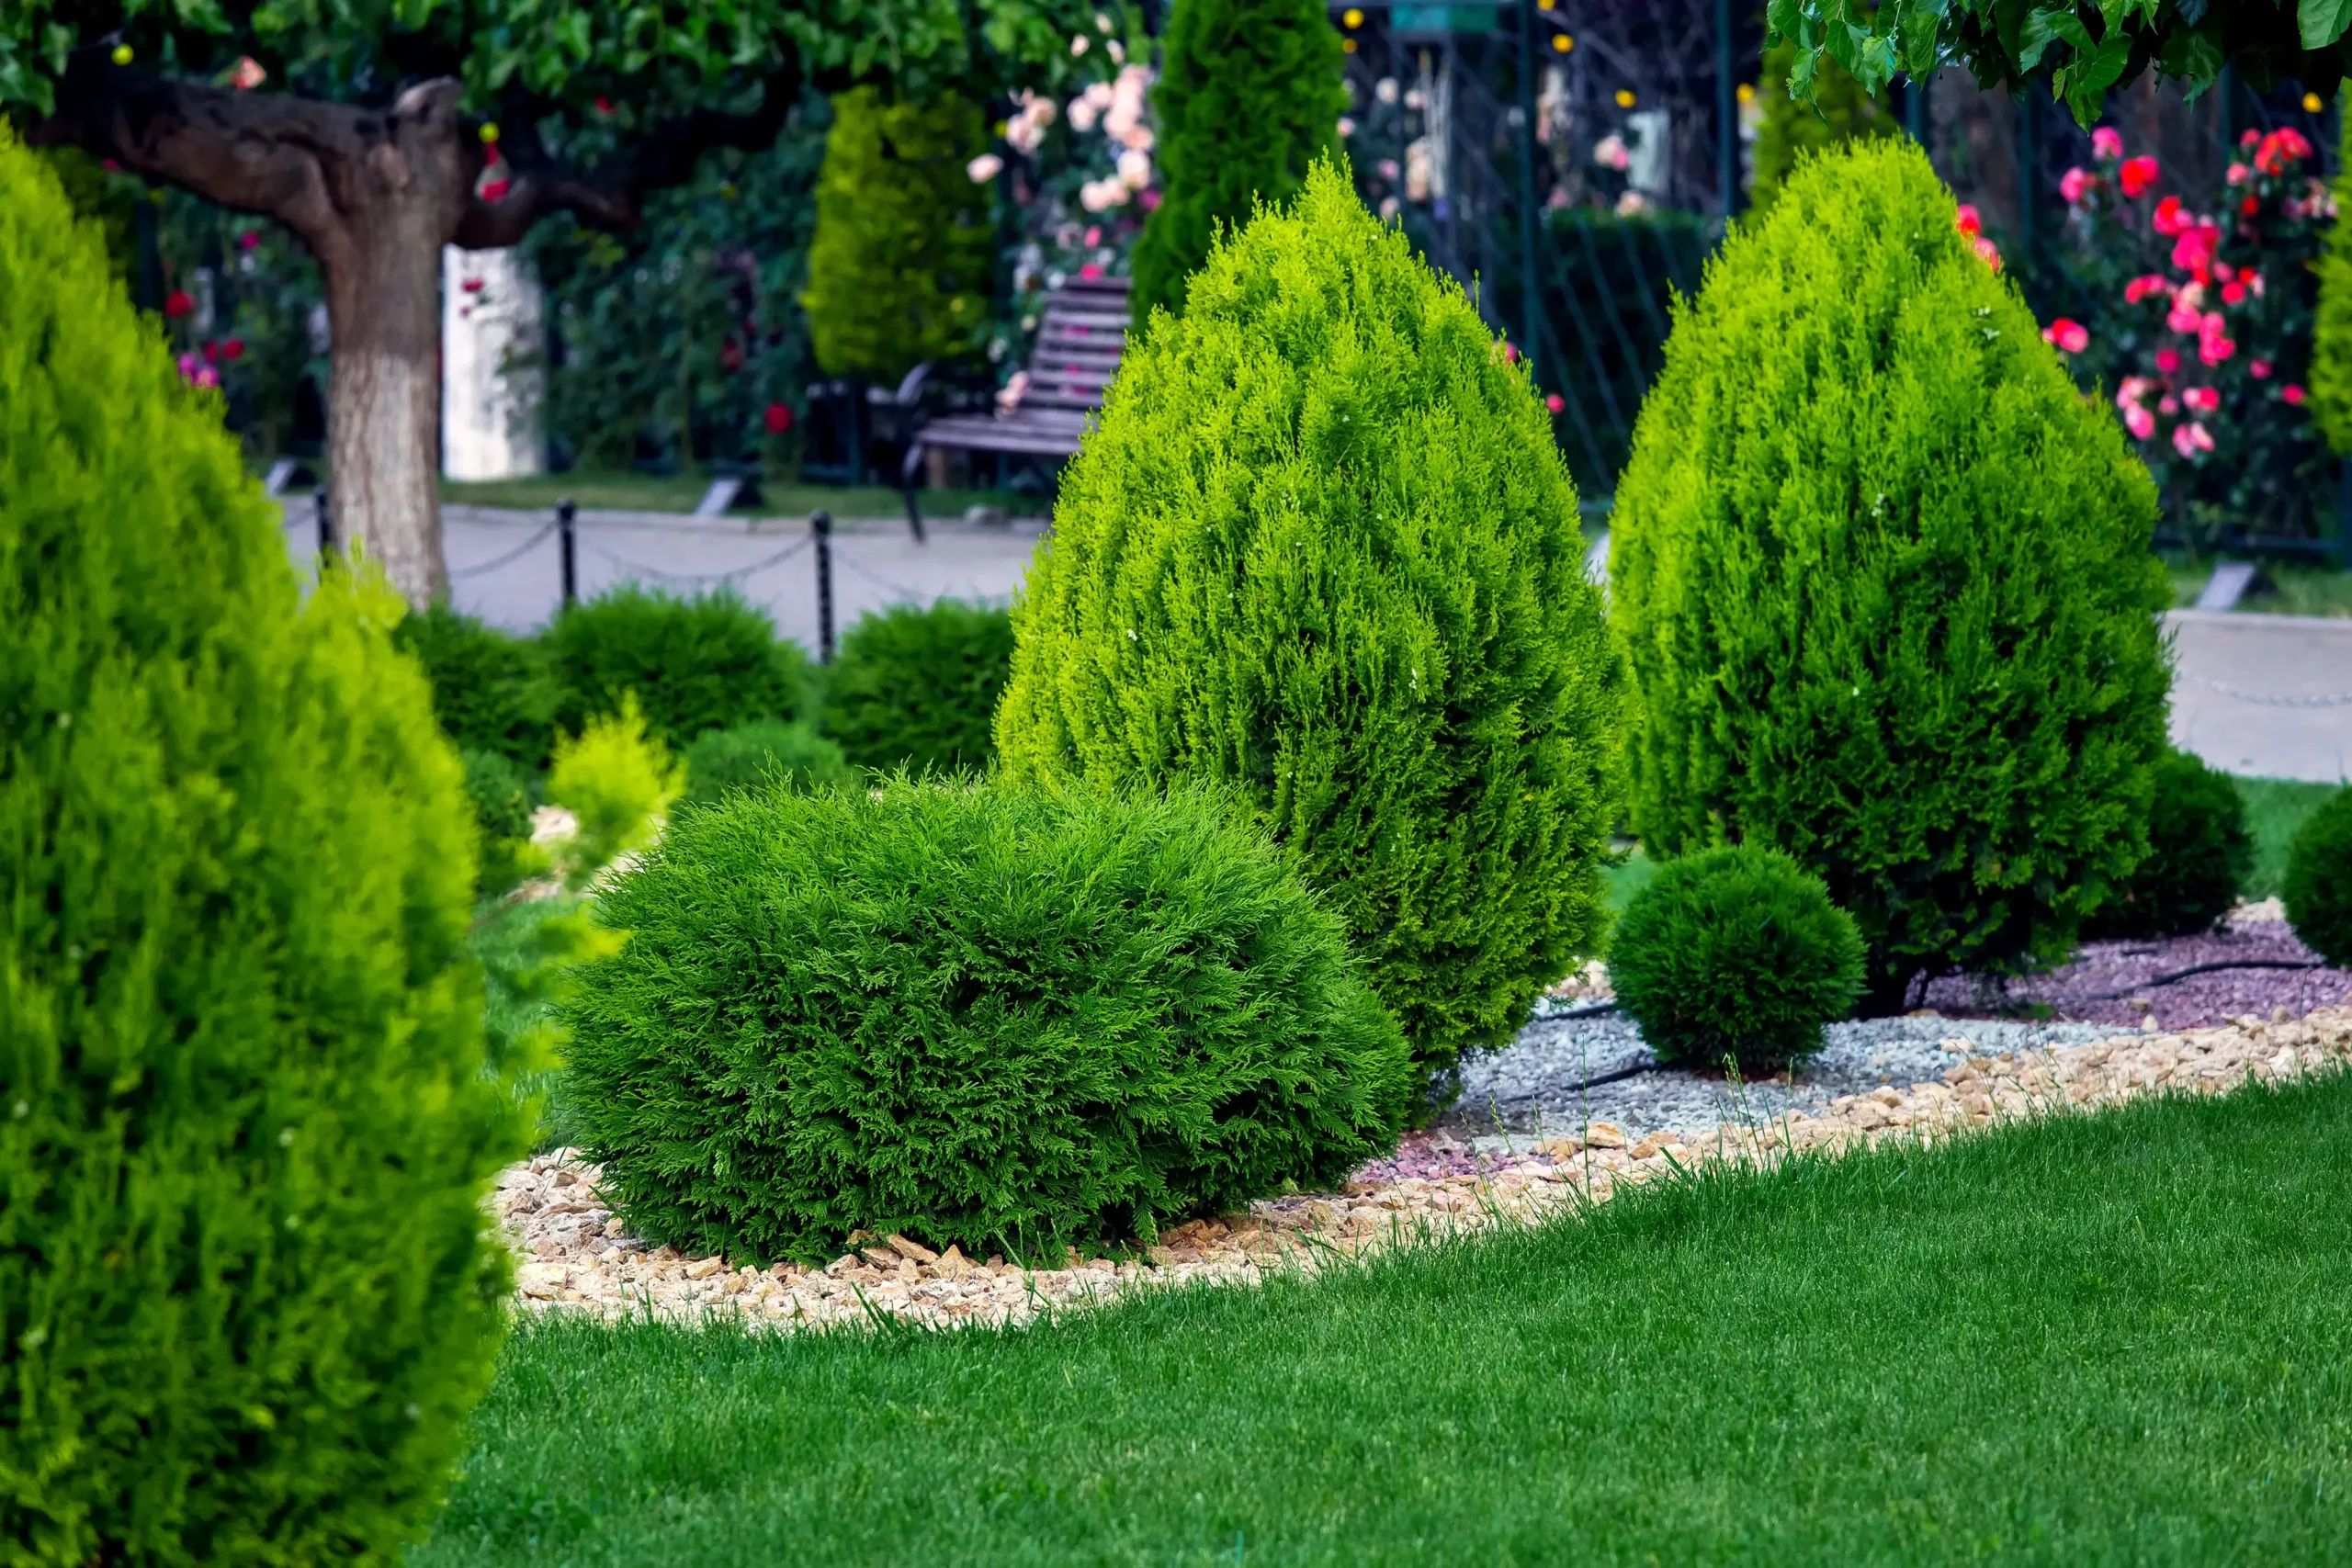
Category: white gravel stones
<point>575,1257</point>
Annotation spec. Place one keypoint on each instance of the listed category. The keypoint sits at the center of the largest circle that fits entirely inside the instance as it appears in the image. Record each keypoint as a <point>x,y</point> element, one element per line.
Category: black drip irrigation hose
<point>2134,990</point>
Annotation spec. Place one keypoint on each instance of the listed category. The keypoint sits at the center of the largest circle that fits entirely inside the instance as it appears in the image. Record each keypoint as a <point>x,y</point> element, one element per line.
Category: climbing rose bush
<point>2199,326</point>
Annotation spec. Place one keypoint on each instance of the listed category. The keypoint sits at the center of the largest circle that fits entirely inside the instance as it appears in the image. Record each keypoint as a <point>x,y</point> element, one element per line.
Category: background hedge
<point>970,1015</point>
<point>918,688</point>
<point>245,1296</point>
<point>1322,550</point>
<point>1883,582</point>
<point>696,664</point>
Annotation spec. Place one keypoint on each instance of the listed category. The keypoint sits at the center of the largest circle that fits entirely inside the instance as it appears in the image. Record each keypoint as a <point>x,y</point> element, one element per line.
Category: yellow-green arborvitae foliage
<point>245,1301</point>
<point>1840,112</point>
<point>2330,370</point>
<point>904,256</point>
<point>1323,552</point>
<point>1882,580</point>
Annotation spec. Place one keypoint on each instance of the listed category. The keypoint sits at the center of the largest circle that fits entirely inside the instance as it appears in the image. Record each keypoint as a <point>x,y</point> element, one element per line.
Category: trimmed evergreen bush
<point>708,662</point>
<point>2199,855</point>
<point>1840,112</point>
<point>492,692</point>
<point>245,1298</point>
<point>917,688</point>
<point>1322,549</point>
<point>966,1013</point>
<point>905,253</point>
<point>739,758</point>
<point>1734,952</point>
<point>1883,582</point>
<point>500,794</point>
<point>2318,893</point>
<point>618,782</point>
<point>1249,97</point>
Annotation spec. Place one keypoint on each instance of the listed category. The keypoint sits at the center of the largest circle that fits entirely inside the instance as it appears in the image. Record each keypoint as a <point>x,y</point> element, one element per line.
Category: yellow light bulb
<point>1348,45</point>
<point>1625,97</point>
<point>1746,94</point>
<point>2312,104</point>
<point>490,130</point>
<point>1352,17</point>
<point>1562,44</point>
<point>122,55</point>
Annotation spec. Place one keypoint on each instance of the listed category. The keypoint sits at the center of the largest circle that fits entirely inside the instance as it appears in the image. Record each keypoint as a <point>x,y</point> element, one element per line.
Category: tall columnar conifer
<point>1249,96</point>
<point>1323,552</point>
<point>1882,580</point>
<point>900,270</point>
<point>245,1301</point>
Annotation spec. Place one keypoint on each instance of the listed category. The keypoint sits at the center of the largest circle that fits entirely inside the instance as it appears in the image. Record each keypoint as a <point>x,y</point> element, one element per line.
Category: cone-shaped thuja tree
<point>245,1300</point>
<point>1323,552</point>
<point>1251,94</point>
<point>1883,580</point>
<point>367,138</point>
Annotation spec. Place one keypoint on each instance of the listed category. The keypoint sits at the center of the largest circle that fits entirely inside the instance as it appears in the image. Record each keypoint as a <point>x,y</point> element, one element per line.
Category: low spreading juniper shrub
<point>1005,1019</point>
<point>1881,579</point>
<point>2199,854</point>
<point>1736,952</point>
<point>696,664</point>
<point>1322,550</point>
<point>917,688</point>
<point>742,757</point>
<point>246,1295</point>
<point>2318,893</point>
<point>492,692</point>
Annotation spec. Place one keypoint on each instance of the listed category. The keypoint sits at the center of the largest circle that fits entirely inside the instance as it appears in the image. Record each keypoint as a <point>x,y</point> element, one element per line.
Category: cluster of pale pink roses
<point>1118,106</point>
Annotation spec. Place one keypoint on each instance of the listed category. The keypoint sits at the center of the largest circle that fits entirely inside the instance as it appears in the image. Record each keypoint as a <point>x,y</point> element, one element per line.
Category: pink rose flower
<point>2068,335</point>
<point>2168,219</point>
<point>2183,317</point>
<point>2167,360</point>
<point>2259,368</point>
<point>2292,392</point>
<point>2139,421</point>
<point>2213,348</point>
<point>2190,439</point>
<point>2234,293</point>
<point>2073,183</point>
<point>1967,221</point>
<point>2106,142</point>
<point>1555,402</point>
<point>1988,253</point>
<point>2204,400</point>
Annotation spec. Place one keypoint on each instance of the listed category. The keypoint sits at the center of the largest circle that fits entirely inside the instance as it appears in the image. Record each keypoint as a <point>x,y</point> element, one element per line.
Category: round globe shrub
<point>697,664</point>
<point>1734,954</point>
<point>2199,855</point>
<point>743,756</point>
<point>1882,580</point>
<point>2318,891</point>
<point>245,1297</point>
<point>1004,1019</point>
<point>917,688</point>
<point>1322,550</point>
<point>492,692</point>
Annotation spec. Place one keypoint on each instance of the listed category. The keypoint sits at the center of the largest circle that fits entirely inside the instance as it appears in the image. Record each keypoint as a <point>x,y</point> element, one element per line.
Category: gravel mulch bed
<point>576,1256</point>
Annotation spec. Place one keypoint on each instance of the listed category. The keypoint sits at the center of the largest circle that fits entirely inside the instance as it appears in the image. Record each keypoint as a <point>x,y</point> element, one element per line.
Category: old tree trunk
<point>376,192</point>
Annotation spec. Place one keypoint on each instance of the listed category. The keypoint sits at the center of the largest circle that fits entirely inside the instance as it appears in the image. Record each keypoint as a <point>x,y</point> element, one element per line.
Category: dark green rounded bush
<point>2318,893</point>
<point>2198,855</point>
<point>1322,550</point>
<point>492,692</point>
<point>1734,952</point>
<point>246,1298</point>
<point>708,662</point>
<point>967,1014</point>
<point>499,793</point>
<point>1882,576</point>
<point>739,758</point>
<point>917,688</point>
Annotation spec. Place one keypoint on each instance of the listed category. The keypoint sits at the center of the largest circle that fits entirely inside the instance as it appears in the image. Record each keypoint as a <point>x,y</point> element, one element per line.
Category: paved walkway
<point>2268,695</point>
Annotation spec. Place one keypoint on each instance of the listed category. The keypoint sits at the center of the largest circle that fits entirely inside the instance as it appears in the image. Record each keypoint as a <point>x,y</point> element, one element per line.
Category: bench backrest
<point>1077,346</point>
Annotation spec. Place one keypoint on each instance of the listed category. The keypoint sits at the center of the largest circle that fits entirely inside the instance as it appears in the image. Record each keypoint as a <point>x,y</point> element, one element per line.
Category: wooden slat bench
<point>1077,355</point>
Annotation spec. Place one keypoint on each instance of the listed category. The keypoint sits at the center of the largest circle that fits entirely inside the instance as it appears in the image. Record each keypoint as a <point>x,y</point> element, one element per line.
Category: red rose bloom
<point>2136,176</point>
<point>177,304</point>
<point>779,419</point>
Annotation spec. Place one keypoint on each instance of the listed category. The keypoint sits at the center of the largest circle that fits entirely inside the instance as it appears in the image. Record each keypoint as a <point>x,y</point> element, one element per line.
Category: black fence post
<point>820,524</point>
<point>565,512</point>
<point>326,524</point>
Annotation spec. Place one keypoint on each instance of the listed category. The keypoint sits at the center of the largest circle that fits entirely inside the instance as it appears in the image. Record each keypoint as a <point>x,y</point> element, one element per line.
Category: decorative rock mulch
<point>575,1257</point>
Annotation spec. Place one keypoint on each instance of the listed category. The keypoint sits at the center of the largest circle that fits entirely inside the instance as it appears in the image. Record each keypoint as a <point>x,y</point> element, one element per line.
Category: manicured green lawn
<point>2293,591</point>
<point>2122,1339</point>
<point>648,492</point>
<point>2275,809</point>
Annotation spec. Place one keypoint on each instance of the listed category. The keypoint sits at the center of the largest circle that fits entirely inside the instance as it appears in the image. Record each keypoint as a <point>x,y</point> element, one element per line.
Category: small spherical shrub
<point>1734,952</point>
<point>1881,577</point>
<point>1004,1019</point>
<point>2318,892</point>
<point>742,757</point>
<point>492,692</point>
<point>697,664</point>
<point>246,1298</point>
<point>1322,550</point>
<point>618,782</point>
<point>2199,855</point>
<point>917,688</point>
